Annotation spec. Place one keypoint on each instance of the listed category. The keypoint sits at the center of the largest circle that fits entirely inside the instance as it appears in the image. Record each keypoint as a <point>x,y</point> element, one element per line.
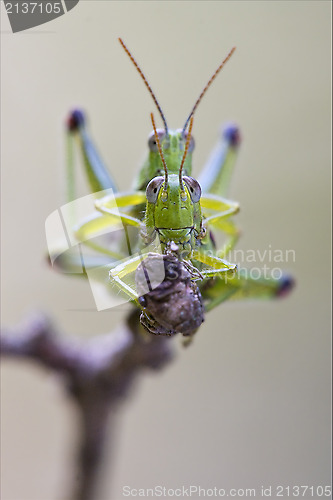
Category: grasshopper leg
<point>218,266</point>
<point>153,274</point>
<point>215,179</point>
<point>242,286</point>
<point>110,205</point>
<point>228,227</point>
<point>109,219</point>
<point>220,211</point>
<point>78,264</point>
<point>98,176</point>
<point>216,174</point>
<point>222,207</point>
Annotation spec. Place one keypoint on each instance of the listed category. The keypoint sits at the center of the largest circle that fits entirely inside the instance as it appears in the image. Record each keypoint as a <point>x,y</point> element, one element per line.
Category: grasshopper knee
<point>75,120</point>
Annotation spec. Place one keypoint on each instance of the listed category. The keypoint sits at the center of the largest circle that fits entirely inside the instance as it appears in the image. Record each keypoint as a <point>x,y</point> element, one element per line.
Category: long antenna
<point>207,86</point>
<point>187,144</point>
<point>160,151</point>
<point>147,84</point>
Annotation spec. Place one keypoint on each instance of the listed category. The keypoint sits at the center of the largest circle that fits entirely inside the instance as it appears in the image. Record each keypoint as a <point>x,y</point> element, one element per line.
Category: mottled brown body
<point>174,306</point>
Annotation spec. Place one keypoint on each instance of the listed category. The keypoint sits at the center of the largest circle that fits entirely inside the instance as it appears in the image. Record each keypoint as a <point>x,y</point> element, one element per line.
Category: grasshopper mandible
<point>168,205</point>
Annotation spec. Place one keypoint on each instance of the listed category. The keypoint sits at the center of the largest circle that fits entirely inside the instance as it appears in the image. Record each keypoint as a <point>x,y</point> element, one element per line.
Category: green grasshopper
<point>172,217</point>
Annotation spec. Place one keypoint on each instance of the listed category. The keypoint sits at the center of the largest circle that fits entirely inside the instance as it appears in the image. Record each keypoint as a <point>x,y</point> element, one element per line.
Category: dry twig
<point>96,373</point>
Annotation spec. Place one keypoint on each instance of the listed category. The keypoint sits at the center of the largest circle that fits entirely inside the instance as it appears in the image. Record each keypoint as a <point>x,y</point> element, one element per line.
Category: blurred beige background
<point>248,404</point>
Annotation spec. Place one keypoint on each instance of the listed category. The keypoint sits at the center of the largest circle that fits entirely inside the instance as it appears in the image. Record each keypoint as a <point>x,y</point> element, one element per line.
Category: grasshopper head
<point>173,200</point>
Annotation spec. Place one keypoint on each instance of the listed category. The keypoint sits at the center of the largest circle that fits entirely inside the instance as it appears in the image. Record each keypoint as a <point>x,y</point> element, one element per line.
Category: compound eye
<point>152,144</point>
<point>193,187</point>
<point>153,189</point>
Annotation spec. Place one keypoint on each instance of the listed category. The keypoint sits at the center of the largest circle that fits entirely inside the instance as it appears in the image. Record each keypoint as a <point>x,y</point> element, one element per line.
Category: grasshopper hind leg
<point>98,175</point>
<point>242,286</point>
<point>216,174</point>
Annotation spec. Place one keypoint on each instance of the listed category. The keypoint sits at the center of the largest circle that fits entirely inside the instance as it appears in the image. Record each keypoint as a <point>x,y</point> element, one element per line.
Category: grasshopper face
<point>173,213</point>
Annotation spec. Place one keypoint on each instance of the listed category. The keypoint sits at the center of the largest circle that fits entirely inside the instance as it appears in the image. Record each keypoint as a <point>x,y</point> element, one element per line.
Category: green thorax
<point>173,149</point>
